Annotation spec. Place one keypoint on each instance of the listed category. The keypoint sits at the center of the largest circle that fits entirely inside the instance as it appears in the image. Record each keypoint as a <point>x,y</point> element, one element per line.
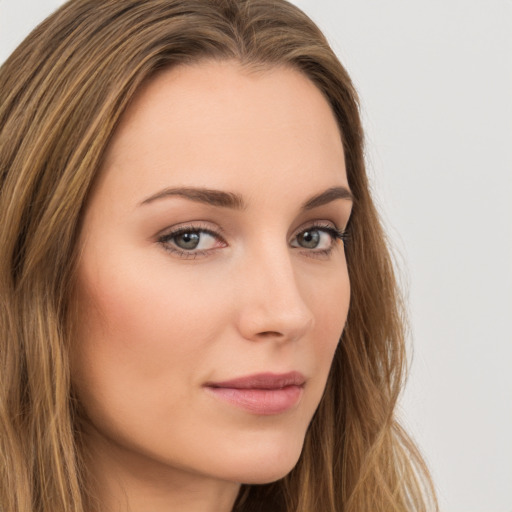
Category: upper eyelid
<point>193,226</point>
<point>316,223</point>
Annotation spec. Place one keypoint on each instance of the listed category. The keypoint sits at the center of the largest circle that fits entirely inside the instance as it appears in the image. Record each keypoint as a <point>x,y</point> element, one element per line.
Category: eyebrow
<point>201,195</point>
<point>235,201</point>
<point>329,195</point>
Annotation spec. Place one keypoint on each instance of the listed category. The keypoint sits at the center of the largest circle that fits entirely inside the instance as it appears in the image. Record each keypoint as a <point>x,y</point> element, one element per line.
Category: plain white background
<point>435,80</point>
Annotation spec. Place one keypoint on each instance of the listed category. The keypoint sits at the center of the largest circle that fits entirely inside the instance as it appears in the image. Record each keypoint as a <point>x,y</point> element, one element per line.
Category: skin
<point>155,326</point>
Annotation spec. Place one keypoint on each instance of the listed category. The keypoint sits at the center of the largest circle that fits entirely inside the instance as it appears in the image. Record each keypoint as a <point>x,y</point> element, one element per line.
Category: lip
<point>262,394</point>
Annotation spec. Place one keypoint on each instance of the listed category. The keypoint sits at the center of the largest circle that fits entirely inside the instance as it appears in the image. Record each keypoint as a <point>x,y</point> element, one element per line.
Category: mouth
<point>261,394</point>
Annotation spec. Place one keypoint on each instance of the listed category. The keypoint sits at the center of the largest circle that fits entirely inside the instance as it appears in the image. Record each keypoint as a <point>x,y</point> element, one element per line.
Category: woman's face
<point>213,287</point>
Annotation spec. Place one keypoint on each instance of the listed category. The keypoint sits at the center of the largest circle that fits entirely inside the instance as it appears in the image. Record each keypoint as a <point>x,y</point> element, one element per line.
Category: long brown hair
<point>62,93</point>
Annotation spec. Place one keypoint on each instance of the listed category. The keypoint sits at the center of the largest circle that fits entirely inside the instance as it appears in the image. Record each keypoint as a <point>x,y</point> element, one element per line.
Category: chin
<point>267,475</point>
<point>264,466</point>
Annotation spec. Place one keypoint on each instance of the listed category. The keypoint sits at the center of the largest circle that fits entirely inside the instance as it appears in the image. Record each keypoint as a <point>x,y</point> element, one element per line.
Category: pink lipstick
<point>262,393</point>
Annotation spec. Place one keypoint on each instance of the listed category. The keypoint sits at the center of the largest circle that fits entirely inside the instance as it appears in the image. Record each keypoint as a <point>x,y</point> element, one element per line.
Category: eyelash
<point>165,239</point>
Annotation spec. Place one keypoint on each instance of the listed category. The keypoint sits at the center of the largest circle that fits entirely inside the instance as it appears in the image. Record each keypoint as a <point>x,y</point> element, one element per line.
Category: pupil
<point>310,239</point>
<point>188,240</point>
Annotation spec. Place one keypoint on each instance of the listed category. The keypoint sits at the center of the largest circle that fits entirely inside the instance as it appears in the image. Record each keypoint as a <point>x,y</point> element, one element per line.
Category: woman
<point>198,307</point>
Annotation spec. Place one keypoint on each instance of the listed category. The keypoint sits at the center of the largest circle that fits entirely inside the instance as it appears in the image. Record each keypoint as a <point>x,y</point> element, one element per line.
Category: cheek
<point>143,331</point>
<point>328,299</point>
<point>140,304</point>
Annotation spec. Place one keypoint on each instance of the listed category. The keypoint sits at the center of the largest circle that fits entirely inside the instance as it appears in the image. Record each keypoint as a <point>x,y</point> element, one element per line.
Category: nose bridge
<point>271,301</point>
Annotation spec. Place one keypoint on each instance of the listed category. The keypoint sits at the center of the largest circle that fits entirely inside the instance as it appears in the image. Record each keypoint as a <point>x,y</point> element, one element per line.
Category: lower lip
<point>260,401</point>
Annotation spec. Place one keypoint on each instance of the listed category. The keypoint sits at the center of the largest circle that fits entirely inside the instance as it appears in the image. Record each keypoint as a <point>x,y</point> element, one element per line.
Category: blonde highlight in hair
<point>62,93</point>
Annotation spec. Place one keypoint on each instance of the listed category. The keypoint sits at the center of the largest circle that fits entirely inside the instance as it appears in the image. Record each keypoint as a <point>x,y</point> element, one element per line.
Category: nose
<point>270,302</point>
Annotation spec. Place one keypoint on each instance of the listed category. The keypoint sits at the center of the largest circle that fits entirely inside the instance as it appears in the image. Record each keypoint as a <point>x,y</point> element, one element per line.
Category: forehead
<point>215,122</point>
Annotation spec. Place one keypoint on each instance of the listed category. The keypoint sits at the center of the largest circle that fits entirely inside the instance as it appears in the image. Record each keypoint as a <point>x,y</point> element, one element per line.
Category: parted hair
<point>62,93</point>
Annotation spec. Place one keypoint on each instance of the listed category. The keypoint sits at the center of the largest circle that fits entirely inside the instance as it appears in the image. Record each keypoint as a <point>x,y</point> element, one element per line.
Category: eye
<point>191,241</point>
<point>312,238</point>
<point>318,238</point>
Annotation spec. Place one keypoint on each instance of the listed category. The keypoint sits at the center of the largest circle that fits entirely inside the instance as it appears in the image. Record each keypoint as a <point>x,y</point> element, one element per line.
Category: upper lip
<point>262,381</point>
